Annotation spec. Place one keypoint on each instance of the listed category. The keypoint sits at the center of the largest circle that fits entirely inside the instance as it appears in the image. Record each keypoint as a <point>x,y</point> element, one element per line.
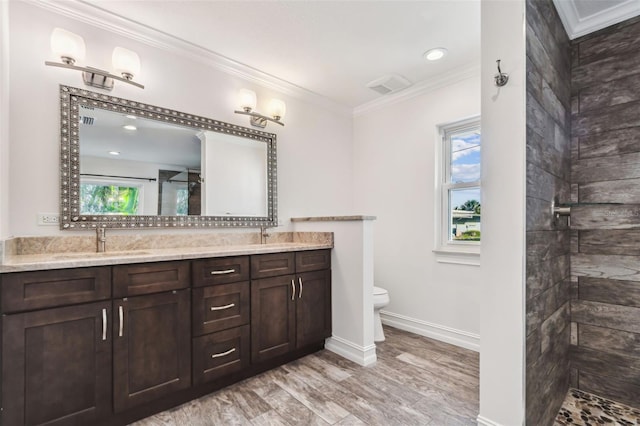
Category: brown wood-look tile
<point>270,418</point>
<point>315,401</point>
<point>351,420</point>
<point>325,388</point>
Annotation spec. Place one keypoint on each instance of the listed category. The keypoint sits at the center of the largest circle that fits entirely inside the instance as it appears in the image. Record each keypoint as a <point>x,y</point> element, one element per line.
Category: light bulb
<point>277,109</point>
<point>69,47</point>
<point>126,62</point>
<point>435,54</point>
<point>247,100</point>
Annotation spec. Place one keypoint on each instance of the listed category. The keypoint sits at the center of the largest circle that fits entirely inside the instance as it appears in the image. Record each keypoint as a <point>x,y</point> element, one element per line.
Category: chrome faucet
<point>101,240</point>
<point>264,235</point>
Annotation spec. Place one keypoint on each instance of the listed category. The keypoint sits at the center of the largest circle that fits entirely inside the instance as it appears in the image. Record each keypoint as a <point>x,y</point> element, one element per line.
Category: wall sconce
<point>69,47</point>
<point>277,109</point>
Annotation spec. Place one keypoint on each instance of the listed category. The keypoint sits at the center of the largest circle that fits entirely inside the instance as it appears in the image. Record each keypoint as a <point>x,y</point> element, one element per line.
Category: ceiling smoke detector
<point>388,84</point>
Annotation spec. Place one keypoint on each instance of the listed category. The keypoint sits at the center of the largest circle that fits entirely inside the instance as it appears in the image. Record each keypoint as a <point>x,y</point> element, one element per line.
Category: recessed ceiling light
<point>114,152</point>
<point>435,54</point>
<point>131,117</point>
<point>130,127</point>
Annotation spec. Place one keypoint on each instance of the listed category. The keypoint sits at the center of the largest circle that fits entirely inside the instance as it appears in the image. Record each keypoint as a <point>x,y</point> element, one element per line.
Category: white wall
<point>4,119</point>
<point>394,166</point>
<point>503,216</point>
<point>314,148</point>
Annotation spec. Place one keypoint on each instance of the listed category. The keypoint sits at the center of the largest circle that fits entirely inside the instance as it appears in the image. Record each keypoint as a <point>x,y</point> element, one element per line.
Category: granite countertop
<point>35,262</point>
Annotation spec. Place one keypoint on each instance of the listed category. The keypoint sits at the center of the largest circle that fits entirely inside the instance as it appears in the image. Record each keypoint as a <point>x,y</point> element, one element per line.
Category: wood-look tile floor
<point>416,381</point>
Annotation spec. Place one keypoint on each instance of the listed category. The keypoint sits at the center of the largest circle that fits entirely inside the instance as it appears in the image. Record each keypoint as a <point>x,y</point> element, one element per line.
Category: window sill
<point>459,256</point>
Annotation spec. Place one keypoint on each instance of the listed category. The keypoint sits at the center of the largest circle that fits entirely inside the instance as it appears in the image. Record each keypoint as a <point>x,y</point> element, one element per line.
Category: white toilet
<point>380,300</point>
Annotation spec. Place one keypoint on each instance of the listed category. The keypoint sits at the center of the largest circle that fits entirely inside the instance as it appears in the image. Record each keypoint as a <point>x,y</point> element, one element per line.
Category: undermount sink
<point>66,256</point>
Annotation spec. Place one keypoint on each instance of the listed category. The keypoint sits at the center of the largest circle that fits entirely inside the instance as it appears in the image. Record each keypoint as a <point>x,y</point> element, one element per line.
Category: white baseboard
<point>362,355</point>
<point>483,421</point>
<point>434,331</point>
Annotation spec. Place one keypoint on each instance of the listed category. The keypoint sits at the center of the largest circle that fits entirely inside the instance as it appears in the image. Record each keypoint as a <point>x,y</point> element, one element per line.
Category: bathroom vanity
<point>109,340</point>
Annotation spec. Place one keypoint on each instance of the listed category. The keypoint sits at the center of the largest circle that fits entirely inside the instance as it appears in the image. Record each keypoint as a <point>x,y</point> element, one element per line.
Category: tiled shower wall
<point>605,328</point>
<point>548,241</point>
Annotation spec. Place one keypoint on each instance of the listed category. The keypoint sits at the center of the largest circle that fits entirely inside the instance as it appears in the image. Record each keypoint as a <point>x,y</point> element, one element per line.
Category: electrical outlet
<point>48,219</point>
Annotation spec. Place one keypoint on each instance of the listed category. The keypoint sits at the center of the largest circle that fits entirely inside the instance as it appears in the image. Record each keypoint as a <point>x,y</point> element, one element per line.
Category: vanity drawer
<point>24,291</point>
<point>146,278</point>
<point>220,307</point>
<point>313,260</point>
<point>272,265</point>
<point>220,270</point>
<point>219,354</point>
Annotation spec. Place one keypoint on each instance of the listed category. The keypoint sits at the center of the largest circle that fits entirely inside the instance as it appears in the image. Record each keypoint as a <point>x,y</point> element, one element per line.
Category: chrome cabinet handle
<point>293,289</point>
<point>220,308</point>
<point>104,324</point>
<point>226,271</point>
<point>300,282</point>
<point>221,354</point>
<point>120,315</point>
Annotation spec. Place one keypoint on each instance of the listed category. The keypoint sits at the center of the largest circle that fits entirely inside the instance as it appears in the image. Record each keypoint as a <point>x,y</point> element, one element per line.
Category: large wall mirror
<point>125,164</point>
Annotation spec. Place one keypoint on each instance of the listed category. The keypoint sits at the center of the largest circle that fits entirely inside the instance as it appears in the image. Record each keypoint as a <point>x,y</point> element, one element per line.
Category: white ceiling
<point>327,47</point>
<point>581,17</point>
<point>332,48</point>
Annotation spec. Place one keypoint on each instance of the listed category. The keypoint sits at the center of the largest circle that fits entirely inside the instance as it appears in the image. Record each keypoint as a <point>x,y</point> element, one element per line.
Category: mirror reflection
<point>126,164</point>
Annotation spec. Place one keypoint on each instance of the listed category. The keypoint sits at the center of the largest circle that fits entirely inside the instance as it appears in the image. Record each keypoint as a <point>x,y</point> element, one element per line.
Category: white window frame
<point>446,249</point>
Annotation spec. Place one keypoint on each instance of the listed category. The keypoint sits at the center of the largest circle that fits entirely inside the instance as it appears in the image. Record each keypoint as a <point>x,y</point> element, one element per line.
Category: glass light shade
<point>277,109</point>
<point>67,45</point>
<point>125,62</point>
<point>247,99</point>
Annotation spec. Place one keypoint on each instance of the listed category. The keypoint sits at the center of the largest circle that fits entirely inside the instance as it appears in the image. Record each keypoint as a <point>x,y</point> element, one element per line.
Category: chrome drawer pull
<point>104,324</point>
<point>221,354</point>
<point>220,308</point>
<point>121,320</point>
<point>293,288</point>
<point>226,271</point>
<point>300,294</point>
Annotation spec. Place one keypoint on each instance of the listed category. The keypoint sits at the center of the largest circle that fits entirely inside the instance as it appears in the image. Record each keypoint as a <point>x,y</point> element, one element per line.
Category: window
<point>460,198</point>
<point>110,198</point>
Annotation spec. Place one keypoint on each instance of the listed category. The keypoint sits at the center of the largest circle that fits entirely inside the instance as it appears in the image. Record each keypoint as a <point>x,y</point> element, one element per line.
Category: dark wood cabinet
<point>220,270</point>
<point>27,291</point>
<point>220,307</point>
<point>146,278</point>
<point>219,354</point>
<point>273,317</point>
<point>291,311</point>
<point>56,365</point>
<point>151,347</point>
<point>313,307</point>
<point>113,344</point>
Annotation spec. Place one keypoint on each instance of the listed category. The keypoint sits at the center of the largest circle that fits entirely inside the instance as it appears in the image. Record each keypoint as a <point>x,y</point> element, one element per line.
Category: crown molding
<point>425,86</point>
<point>95,16</point>
<point>575,26</point>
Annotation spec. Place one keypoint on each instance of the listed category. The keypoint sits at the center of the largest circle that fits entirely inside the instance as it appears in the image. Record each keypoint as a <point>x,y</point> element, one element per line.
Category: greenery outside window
<point>122,198</point>
<point>460,195</point>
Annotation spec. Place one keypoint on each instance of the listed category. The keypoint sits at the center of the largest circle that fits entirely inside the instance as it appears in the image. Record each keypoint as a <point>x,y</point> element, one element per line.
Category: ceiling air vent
<point>388,84</point>
<point>86,120</point>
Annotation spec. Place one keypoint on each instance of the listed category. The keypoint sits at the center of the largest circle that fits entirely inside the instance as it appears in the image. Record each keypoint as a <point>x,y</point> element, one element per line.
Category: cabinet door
<point>313,307</point>
<point>151,347</point>
<point>272,317</point>
<point>56,365</point>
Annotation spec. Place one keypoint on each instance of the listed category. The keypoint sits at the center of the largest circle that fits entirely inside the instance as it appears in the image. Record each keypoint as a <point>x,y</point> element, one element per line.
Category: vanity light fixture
<point>70,47</point>
<point>129,127</point>
<point>114,152</point>
<point>277,109</point>
<point>435,54</point>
